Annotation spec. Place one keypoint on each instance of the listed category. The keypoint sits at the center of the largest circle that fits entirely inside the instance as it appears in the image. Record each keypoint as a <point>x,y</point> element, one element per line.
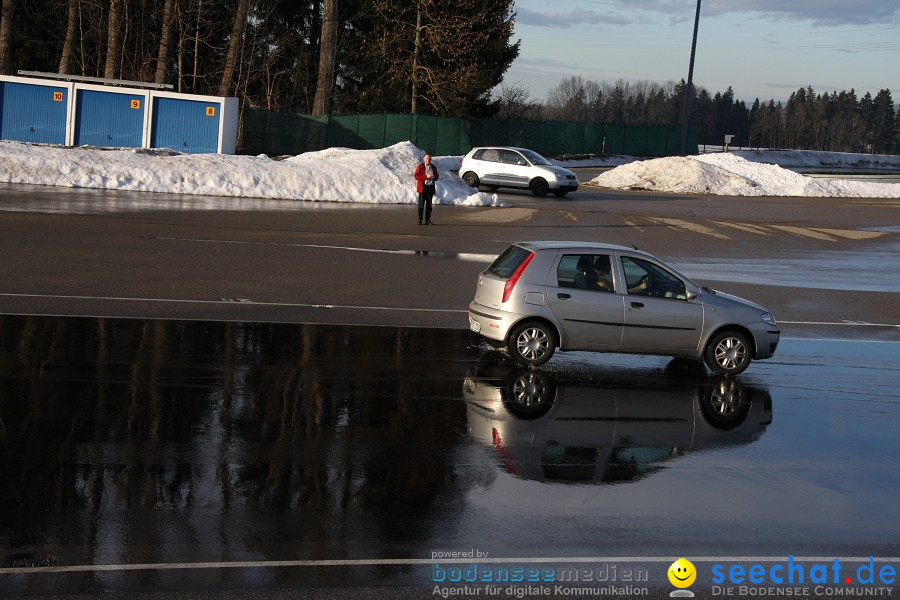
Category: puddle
<point>169,442</point>
<point>57,200</point>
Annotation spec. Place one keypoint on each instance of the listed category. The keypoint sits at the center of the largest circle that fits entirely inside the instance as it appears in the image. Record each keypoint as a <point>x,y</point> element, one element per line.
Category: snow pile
<point>383,176</point>
<point>730,175</point>
<point>821,159</point>
<point>607,160</point>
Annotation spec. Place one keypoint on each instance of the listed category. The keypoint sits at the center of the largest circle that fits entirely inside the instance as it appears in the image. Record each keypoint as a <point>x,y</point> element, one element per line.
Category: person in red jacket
<point>426,175</point>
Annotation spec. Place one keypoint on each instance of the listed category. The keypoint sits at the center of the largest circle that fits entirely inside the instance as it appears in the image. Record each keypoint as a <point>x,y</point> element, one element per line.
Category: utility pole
<point>688,92</point>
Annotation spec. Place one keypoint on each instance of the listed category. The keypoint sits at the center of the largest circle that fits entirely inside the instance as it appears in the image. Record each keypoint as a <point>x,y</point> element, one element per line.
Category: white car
<point>495,167</point>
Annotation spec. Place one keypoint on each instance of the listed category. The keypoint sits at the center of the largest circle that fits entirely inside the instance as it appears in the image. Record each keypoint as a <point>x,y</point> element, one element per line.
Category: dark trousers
<point>425,197</point>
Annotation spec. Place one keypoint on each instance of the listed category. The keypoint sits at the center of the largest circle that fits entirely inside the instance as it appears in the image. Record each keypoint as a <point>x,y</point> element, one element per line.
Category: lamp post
<point>690,81</point>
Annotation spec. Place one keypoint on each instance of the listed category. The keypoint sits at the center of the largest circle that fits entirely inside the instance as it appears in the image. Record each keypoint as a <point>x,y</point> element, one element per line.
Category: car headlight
<point>767,318</point>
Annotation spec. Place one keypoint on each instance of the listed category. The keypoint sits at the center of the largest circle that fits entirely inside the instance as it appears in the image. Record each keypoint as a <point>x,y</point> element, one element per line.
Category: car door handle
<point>637,305</point>
<point>562,296</point>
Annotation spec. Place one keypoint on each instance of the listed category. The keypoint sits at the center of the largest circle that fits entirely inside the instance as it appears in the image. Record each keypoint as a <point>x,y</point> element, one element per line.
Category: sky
<point>240,180</point>
<point>763,49</point>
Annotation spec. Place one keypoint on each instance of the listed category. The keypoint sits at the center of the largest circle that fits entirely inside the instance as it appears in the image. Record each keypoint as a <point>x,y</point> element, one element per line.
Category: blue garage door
<point>33,113</point>
<point>185,125</point>
<point>109,119</point>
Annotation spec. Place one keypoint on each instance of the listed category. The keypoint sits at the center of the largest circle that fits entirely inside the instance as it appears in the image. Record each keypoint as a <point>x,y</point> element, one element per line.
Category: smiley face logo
<point>682,573</point>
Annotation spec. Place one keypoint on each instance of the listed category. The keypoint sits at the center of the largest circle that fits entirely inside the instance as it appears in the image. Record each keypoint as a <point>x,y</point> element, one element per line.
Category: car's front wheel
<point>539,186</point>
<point>729,353</point>
<point>471,179</point>
<point>532,344</point>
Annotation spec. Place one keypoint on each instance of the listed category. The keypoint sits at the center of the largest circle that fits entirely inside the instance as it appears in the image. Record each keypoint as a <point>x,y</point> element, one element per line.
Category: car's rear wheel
<point>471,179</point>
<point>539,186</point>
<point>729,353</point>
<point>532,344</point>
<point>560,193</point>
<point>529,394</point>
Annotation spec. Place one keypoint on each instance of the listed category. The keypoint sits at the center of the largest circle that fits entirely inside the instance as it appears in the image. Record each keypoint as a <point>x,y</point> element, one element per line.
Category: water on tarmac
<point>147,442</point>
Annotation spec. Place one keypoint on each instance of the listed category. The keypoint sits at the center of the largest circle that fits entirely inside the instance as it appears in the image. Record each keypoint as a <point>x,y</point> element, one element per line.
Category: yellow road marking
<point>504,215</point>
<point>758,229</point>
<point>692,227</point>
<point>805,232</point>
<point>852,234</point>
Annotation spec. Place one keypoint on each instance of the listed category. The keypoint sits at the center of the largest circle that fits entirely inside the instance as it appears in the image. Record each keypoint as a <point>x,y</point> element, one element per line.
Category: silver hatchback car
<point>496,166</point>
<point>537,296</point>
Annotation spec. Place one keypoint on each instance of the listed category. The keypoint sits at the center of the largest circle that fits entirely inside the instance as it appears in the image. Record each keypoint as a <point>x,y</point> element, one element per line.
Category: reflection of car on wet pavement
<point>537,296</point>
<point>555,428</point>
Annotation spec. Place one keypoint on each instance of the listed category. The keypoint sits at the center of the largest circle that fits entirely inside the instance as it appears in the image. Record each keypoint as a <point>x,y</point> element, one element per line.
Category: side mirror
<point>691,295</point>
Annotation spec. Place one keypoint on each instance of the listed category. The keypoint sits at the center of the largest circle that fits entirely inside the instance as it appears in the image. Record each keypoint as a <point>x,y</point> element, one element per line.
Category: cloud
<point>822,13</point>
<point>552,18</point>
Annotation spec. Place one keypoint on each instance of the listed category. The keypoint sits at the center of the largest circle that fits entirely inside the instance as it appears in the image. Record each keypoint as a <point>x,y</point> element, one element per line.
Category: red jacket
<point>421,177</point>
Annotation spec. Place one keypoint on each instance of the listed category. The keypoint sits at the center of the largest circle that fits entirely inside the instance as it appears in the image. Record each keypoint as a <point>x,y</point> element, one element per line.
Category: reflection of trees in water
<point>265,441</point>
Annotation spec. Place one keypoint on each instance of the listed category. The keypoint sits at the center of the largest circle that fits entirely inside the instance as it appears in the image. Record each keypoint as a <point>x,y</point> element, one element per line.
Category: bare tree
<point>67,59</point>
<point>327,56</point>
<point>515,103</point>
<point>237,34</point>
<point>417,53</point>
<point>567,100</point>
<point>113,40</point>
<point>437,57</point>
<point>165,41</point>
<point>6,21</point>
<point>197,47</point>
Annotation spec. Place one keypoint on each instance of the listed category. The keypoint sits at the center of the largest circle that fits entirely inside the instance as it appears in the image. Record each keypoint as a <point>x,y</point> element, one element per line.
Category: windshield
<point>534,157</point>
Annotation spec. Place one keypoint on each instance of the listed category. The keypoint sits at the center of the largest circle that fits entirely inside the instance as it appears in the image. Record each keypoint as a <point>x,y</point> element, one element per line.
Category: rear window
<point>489,154</point>
<point>507,263</point>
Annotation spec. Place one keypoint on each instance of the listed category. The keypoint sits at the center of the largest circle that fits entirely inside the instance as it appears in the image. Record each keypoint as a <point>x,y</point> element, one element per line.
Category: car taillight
<point>506,454</point>
<point>511,282</point>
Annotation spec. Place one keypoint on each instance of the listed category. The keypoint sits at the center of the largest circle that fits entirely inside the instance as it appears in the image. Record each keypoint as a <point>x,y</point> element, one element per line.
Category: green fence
<point>278,133</point>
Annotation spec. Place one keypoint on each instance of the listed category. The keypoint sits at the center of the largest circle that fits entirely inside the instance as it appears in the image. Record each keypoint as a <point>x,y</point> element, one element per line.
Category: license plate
<point>474,325</point>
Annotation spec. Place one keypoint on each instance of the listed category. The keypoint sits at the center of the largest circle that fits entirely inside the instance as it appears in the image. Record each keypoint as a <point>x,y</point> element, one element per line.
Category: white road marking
<point>234,302</point>
<point>426,561</point>
<point>848,323</point>
<point>466,256</point>
<point>249,302</point>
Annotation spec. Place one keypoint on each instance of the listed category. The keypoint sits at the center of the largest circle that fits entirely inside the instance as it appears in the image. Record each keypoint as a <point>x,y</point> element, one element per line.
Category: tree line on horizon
<point>396,56</point>
<point>836,121</point>
<point>316,56</point>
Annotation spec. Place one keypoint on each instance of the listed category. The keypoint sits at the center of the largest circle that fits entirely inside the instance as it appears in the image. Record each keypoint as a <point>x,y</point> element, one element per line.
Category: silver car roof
<point>598,246</point>
<point>501,148</point>
<point>551,245</point>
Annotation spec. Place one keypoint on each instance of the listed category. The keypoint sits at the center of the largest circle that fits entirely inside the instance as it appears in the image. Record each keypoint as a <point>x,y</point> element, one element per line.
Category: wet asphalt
<point>182,456</point>
<point>203,403</point>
